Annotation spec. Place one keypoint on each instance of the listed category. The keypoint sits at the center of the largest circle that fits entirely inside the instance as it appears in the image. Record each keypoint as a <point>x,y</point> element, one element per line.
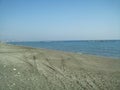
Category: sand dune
<point>25,68</point>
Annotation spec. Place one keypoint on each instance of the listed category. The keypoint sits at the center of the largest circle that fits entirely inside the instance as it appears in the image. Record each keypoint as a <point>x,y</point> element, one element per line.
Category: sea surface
<point>107,48</point>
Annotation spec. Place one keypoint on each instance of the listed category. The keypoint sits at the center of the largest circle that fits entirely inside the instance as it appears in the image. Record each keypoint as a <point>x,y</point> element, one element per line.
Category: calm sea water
<point>109,48</point>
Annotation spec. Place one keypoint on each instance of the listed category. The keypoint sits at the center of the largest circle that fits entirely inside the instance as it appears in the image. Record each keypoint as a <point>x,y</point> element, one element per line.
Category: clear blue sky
<point>38,20</point>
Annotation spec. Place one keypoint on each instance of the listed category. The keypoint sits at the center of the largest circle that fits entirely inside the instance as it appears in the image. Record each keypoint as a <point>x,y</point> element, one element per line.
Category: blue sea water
<point>108,48</point>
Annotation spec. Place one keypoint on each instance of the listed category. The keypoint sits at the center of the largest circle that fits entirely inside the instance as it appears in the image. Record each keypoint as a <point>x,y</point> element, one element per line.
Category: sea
<point>106,48</point>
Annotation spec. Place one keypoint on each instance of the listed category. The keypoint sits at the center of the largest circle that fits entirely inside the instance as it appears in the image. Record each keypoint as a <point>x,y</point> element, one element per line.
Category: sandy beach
<point>26,68</point>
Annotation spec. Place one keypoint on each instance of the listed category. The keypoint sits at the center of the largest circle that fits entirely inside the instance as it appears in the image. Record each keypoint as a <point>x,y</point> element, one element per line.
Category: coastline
<point>27,68</point>
<point>88,54</point>
<point>98,48</point>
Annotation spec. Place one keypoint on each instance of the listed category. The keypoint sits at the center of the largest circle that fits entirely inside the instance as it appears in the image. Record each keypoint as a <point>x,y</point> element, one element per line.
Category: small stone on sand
<point>14,69</point>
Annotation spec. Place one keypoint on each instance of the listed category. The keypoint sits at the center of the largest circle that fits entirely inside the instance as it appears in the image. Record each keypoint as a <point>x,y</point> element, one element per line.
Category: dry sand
<point>25,68</point>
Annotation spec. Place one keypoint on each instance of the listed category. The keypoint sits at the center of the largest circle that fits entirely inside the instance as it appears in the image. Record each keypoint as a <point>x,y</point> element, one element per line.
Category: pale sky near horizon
<point>39,20</point>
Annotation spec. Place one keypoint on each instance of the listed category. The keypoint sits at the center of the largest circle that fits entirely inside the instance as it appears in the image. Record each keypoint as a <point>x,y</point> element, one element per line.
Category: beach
<point>27,68</point>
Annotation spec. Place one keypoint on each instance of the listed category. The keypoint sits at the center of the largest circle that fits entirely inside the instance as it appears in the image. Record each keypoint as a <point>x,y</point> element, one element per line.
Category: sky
<point>41,20</point>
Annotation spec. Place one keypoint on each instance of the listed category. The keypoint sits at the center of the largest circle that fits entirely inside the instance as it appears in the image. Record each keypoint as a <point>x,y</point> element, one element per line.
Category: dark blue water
<point>109,48</point>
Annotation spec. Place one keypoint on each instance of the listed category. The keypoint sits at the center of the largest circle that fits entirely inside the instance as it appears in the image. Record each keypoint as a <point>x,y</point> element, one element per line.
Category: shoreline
<point>112,57</point>
<point>26,68</point>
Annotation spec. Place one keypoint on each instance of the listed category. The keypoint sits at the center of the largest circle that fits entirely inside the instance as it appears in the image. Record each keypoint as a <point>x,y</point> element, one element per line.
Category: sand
<point>26,68</point>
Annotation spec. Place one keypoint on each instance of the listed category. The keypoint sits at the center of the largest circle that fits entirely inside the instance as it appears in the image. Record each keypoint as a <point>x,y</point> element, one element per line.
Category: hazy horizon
<point>59,40</point>
<point>53,20</point>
